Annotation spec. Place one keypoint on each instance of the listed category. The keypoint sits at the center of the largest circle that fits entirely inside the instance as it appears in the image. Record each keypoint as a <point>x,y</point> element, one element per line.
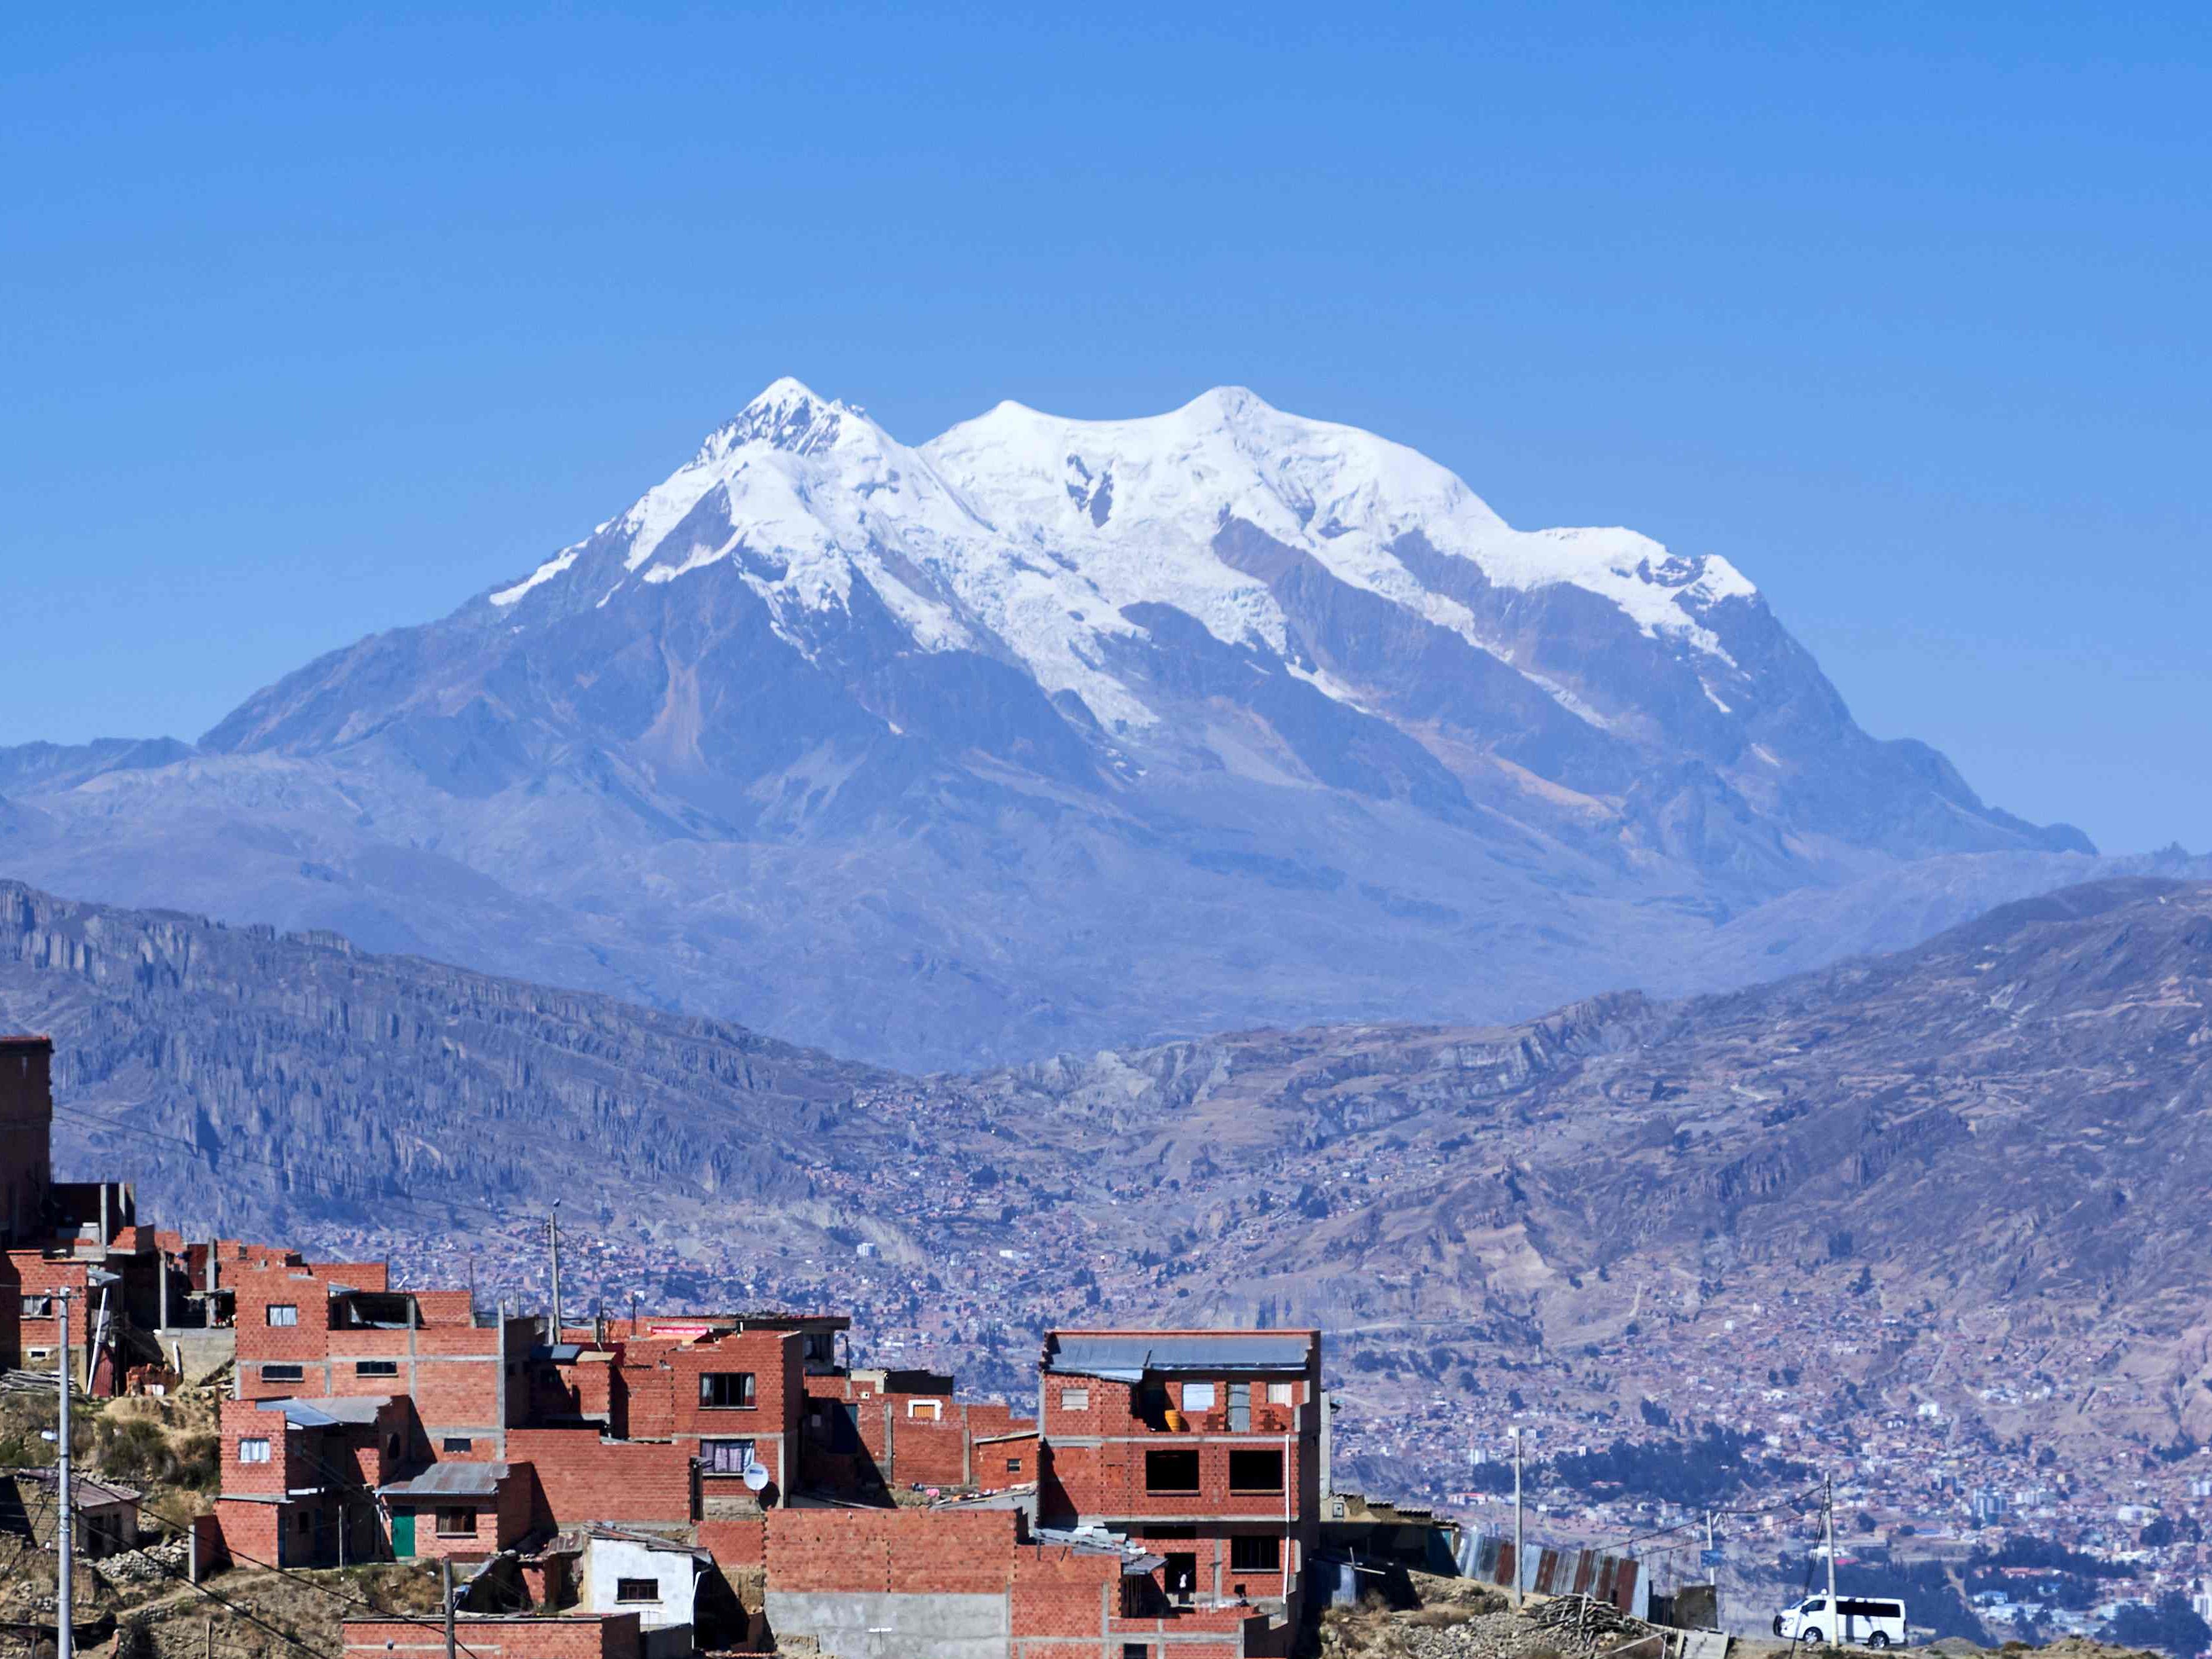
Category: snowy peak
<point>787,416</point>
<point>1039,539</point>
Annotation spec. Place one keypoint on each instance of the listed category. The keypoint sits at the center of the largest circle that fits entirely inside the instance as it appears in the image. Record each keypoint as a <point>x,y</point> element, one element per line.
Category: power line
<point>159,1520</point>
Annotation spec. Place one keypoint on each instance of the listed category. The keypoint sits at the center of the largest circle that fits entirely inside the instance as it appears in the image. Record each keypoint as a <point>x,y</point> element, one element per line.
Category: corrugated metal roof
<point>1126,1358</point>
<point>449,1480</point>
<point>326,1413</point>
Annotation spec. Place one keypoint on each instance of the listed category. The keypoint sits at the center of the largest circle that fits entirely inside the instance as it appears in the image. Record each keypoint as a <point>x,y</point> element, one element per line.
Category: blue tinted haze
<point>318,325</point>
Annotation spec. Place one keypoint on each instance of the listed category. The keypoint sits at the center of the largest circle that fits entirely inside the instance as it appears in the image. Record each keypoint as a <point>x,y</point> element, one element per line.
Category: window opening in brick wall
<point>1013,1466</point>
<point>725,1390</point>
<point>457,1523</point>
<point>282,1373</point>
<point>1281,1394</point>
<point>1171,1471</point>
<point>283,1313</point>
<point>637,1589</point>
<point>37,1307</point>
<point>929,1410</point>
<point>253,1451</point>
<point>1255,1555</point>
<point>376,1368</point>
<point>1198,1397</point>
<point>725,1457</point>
<point>1255,1471</point>
<point>1240,1408</point>
<point>1075,1399</point>
<point>457,1442</point>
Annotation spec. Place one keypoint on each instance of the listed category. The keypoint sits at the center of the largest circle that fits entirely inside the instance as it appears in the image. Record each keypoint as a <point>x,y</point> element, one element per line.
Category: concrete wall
<point>611,1560</point>
<point>895,1624</point>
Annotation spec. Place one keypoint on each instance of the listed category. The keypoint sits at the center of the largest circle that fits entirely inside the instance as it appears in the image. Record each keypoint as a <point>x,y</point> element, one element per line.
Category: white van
<point>1863,1621</point>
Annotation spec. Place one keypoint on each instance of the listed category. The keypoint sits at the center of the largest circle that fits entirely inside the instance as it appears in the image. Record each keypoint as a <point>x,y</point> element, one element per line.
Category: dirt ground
<point>1458,1619</point>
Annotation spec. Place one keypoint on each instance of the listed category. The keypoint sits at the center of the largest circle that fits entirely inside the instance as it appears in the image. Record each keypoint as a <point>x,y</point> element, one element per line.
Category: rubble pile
<point>1565,1627</point>
<point>162,1563</point>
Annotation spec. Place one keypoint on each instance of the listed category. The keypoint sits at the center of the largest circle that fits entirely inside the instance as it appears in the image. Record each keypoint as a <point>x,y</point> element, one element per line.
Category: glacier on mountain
<point>1033,534</point>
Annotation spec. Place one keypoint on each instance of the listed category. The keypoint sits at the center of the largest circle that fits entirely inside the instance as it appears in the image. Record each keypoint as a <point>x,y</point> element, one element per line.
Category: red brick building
<point>1205,1446</point>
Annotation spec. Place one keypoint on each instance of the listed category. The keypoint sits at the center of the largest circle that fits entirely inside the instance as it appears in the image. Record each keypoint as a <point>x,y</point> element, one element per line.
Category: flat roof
<point>1127,1356</point>
<point>449,1480</point>
<point>355,1409</point>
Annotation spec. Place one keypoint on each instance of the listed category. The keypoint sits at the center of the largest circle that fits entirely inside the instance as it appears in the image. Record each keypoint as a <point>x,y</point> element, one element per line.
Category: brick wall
<point>1110,1480</point>
<point>251,1531</point>
<point>242,1419</point>
<point>914,1551</point>
<point>582,1478</point>
<point>737,1546</point>
<point>261,1287</point>
<point>27,1273</point>
<point>1059,1594</point>
<point>605,1636</point>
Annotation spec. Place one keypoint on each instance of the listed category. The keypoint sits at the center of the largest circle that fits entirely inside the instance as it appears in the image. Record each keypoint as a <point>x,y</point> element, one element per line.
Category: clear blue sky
<point>314,326</point>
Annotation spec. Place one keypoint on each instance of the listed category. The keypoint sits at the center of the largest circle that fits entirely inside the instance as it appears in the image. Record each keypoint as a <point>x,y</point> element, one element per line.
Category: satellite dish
<point>756,1476</point>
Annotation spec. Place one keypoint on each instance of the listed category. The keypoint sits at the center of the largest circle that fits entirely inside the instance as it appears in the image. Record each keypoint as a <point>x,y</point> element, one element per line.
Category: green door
<point>403,1534</point>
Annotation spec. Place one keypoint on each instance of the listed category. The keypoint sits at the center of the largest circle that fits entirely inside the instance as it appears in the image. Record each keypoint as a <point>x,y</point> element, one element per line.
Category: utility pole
<point>553,1238</point>
<point>446,1581</point>
<point>1828,1524</point>
<point>65,1534</point>
<point>1520,1570</point>
<point>1713,1568</point>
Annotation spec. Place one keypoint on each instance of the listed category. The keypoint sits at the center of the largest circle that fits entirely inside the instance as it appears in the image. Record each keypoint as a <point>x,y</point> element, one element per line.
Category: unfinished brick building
<point>1206,1445</point>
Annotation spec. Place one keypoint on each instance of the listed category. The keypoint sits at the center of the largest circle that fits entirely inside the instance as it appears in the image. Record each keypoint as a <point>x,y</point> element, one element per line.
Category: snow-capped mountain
<point>1051,731</point>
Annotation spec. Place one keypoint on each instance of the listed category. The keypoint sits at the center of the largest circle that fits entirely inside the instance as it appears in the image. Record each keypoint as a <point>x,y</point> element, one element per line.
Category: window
<point>37,1307</point>
<point>930,1410</point>
<point>1013,1466</point>
<point>283,1313</point>
<point>1075,1399</point>
<point>457,1442</point>
<point>726,1390</point>
<point>376,1368</point>
<point>637,1589</point>
<point>1171,1471</point>
<point>1135,1650</point>
<point>1255,1555</point>
<point>1198,1397</point>
<point>253,1451</point>
<point>725,1457</point>
<point>1255,1471</point>
<point>1281,1394</point>
<point>302,1520</point>
<point>282,1373</point>
<point>457,1523</point>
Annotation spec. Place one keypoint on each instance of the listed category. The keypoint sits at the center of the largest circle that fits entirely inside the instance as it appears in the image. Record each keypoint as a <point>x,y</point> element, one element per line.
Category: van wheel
<point>1811,1638</point>
<point>1879,1640</point>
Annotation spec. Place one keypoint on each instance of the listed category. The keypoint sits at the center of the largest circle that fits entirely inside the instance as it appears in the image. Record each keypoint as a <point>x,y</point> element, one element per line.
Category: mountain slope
<point>1043,734</point>
<point>1956,1175</point>
<point>243,1076</point>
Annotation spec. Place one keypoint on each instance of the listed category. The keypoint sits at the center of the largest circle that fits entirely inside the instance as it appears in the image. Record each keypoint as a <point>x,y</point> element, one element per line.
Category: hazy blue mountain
<point>1048,734</point>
